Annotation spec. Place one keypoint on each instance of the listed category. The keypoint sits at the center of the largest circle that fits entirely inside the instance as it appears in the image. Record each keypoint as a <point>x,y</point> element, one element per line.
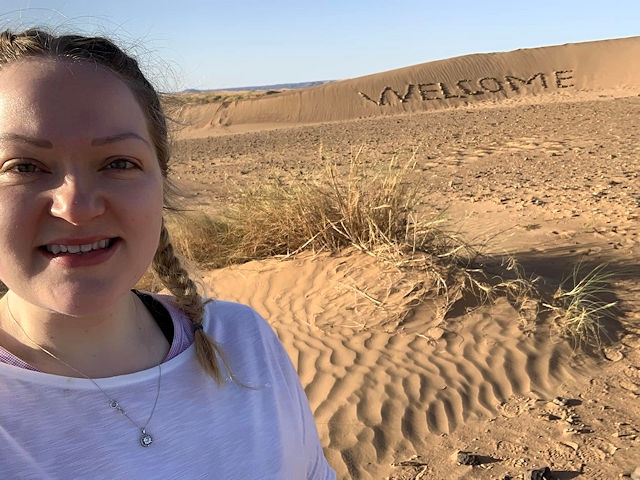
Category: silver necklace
<point>145,437</point>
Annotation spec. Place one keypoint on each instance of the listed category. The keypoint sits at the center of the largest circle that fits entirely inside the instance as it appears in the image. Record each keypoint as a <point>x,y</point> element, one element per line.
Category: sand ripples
<point>378,394</point>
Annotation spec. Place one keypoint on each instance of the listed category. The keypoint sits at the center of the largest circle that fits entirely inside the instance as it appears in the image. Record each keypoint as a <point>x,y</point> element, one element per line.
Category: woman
<point>98,380</point>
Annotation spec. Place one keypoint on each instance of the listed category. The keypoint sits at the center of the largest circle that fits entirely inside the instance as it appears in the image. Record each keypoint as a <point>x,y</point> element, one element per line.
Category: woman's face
<point>80,186</point>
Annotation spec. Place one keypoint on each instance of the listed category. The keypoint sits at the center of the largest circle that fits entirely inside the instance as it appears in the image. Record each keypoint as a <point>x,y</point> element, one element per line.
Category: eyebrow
<point>96,142</point>
<point>38,142</point>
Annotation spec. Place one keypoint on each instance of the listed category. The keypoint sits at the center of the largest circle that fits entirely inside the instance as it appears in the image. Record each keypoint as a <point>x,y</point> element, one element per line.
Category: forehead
<point>56,97</point>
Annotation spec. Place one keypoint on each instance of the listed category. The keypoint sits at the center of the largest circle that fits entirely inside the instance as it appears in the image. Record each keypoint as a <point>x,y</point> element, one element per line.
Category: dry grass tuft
<point>206,241</point>
<point>367,206</point>
<point>580,308</point>
<point>372,207</point>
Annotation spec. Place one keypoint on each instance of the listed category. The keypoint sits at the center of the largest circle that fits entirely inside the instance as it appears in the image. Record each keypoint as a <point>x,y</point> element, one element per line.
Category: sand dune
<point>380,389</point>
<point>557,71</point>
<point>548,174</point>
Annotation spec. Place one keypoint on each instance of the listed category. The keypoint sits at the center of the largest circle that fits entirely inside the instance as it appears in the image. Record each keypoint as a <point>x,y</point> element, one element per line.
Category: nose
<point>76,201</point>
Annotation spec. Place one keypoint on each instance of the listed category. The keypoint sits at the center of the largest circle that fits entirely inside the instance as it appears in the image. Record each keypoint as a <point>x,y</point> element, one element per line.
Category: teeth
<point>56,249</point>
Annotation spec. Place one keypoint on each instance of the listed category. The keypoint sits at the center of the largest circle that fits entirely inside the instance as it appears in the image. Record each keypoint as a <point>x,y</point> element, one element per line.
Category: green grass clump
<point>580,307</point>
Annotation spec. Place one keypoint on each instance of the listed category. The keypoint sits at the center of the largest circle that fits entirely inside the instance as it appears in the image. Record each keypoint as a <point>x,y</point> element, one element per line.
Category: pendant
<point>145,439</point>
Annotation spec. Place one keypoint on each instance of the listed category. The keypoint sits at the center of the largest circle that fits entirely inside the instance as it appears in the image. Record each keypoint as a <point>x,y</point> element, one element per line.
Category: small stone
<point>571,420</point>
<point>630,386</point>
<point>613,355</point>
<point>635,475</point>
<point>539,474</point>
<point>550,417</point>
<point>633,373</point>
<point>466,458</point>
<point>571,445</point>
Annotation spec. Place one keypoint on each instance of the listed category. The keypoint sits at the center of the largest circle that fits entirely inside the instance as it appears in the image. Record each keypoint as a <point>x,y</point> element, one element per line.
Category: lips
<point>56,249</point>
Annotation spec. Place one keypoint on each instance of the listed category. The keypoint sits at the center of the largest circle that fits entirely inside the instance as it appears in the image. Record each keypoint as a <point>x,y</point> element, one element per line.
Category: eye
<point>25,168</point>
<point>20,166</point>
<point>121,164</point>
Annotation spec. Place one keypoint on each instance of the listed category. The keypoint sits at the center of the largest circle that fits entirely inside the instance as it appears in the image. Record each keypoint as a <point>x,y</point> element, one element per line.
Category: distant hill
<point>277,86</point>
<point>556,73</point>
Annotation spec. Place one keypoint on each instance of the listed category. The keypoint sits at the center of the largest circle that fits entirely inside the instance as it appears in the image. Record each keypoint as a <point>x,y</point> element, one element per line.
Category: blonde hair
<point>35,43</point>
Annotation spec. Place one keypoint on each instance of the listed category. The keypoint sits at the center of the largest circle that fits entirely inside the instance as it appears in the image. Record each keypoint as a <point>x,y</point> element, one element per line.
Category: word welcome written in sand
<point>470,88</point>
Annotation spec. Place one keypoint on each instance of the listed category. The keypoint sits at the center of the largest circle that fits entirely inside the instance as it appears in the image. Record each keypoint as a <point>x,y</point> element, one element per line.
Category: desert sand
<point>532,153</point>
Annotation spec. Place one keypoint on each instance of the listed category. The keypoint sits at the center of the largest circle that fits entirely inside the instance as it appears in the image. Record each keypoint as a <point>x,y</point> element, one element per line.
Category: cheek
<point>19,219</point>
<point>141,196</point>
<point>19,216</point>
<point>144,212</point>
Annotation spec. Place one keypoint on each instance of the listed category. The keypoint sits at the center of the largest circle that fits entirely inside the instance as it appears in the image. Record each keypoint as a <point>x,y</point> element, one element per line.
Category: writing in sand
<point>471,88</point>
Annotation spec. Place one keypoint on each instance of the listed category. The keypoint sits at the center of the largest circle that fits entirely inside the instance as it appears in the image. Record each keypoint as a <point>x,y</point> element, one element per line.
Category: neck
<point>121,339</point>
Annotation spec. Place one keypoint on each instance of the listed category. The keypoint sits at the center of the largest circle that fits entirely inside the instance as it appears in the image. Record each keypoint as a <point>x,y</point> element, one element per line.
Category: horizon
<point>216,46</point>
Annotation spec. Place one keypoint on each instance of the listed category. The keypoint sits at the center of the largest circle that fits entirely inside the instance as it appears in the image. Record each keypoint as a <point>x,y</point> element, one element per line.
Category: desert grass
<point>202,240</point>
<point>372,207</point>
<point>580,308</point>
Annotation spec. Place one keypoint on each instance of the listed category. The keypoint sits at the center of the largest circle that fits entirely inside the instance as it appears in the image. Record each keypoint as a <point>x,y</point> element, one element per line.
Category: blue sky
<point>210,44</point>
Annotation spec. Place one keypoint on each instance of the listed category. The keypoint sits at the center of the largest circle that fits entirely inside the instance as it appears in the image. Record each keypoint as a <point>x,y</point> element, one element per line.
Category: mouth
<point>79,249</point>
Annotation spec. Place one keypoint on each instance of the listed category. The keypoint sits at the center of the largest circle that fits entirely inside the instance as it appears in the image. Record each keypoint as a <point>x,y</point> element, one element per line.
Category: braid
<point>174,277</point>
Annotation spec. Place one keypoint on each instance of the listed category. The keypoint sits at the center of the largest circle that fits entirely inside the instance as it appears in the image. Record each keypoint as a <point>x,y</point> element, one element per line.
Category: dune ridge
<point>469,80</point>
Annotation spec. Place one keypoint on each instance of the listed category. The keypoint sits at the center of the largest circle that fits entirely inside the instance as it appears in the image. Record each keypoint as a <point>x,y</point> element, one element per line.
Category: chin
<point>79,300</point>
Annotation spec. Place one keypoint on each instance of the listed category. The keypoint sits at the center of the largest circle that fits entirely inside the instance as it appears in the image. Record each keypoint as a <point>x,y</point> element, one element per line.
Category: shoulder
<point>228,323</point>
<point>243,335</point>
<point>224,320</point>
<point>252,349</point>
<point>220,310</point>
<point>218,313</point>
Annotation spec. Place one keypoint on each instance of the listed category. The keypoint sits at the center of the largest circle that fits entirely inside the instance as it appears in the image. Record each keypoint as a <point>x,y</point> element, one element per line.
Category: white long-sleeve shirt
<point>55,427</point>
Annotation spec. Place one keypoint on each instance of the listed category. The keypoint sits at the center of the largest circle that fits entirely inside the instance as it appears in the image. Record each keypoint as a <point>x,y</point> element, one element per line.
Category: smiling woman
<point>84,359</point>
<point>72,165</point>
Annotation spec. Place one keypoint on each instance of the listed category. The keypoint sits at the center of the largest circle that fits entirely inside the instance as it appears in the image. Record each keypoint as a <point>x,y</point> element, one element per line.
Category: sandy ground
<point>550,182</point>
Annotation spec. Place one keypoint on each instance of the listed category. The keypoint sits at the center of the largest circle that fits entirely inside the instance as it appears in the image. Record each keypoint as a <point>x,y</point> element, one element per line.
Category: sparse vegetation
<point>580,307</point>
<point>201,239</point>
<point>216,96</point>
<point>372,207</point>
